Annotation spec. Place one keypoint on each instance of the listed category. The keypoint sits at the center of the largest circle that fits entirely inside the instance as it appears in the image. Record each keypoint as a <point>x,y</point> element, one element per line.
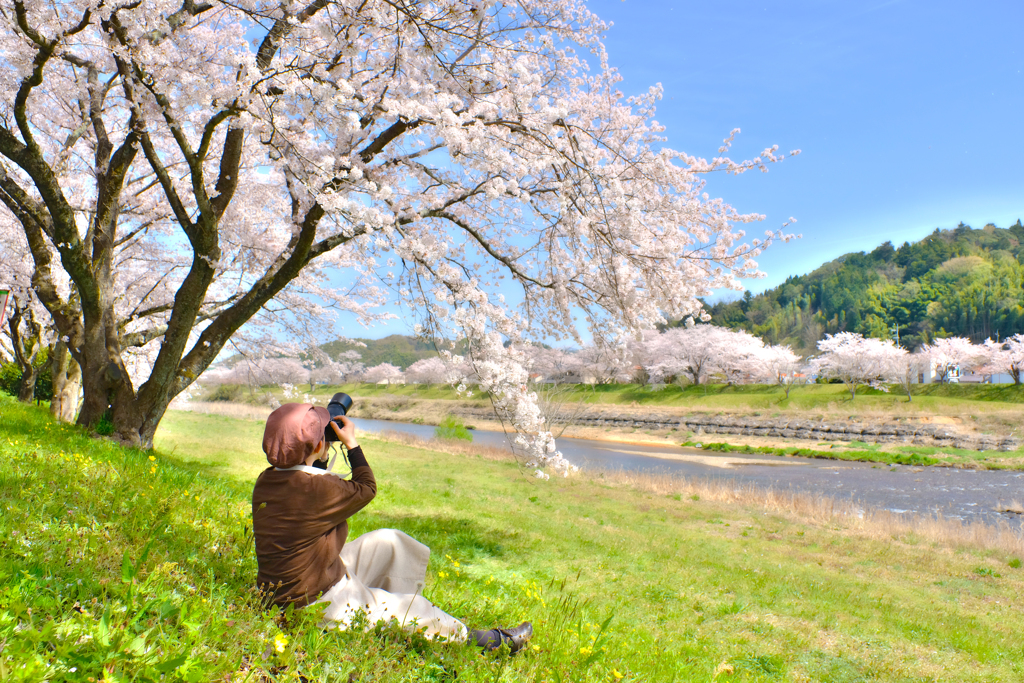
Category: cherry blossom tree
<point>952,353</point>
<point>26,335</point>
<point>637,355</point>
<point>428,371</point>
<point>26,322</point>
<point>561,390</point>
<point>604,364</point>
<point>195,189</point>
<point>1006,356</point>
<point>385,372</point>
<point>347,364</point>
<point>779,365</point>
<point>740,361</point>
<point>326,370</point>
<point>553,364</point>
<point>903,368</point>
<point>699,351</point>
<point>280,371</point>
<point>855,360</point>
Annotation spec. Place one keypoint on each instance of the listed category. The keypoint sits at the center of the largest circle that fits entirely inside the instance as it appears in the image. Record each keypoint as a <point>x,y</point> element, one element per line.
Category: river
<point>966,495</point>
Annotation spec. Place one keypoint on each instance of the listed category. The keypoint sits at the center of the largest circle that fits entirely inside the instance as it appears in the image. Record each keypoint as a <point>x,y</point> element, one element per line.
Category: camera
<point>340,404</point>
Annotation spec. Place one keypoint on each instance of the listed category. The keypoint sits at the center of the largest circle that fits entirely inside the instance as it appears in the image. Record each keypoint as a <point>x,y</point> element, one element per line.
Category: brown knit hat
<point>293,432</point>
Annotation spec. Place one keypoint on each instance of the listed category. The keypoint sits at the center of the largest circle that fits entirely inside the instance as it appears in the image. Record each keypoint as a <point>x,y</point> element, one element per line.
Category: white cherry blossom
<point>199,189</point>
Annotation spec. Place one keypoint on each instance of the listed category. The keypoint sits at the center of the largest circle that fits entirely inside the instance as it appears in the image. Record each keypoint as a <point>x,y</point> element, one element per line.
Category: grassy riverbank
<point>129,565</point>
<point>938,399</point>
<point>970,410</point>
<point>889,454</point>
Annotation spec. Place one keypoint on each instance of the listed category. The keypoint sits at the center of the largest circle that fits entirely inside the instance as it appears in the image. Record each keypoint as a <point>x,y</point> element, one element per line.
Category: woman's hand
<point>346,433</point>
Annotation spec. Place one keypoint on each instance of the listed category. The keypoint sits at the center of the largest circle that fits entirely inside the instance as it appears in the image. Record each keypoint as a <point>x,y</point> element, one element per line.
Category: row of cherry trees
<point>319,368</point>
<point>860,361</point>
<point>695,355</point>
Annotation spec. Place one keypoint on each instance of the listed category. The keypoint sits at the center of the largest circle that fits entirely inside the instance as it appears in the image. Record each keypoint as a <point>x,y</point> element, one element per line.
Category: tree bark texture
<point>67,383</point>
<point>87,319</point>
<point>25,339</point>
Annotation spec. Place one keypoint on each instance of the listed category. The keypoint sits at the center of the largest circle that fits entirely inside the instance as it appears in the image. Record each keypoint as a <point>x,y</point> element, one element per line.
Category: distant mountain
<point>960,282</point>
<point>396,349</point>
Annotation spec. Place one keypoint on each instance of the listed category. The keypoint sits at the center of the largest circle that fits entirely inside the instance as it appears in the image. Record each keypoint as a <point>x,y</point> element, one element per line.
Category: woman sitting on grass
<point>300,520</point>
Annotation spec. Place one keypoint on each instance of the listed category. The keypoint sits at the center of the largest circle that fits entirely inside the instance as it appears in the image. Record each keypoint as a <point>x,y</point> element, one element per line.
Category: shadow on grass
<point>1007,393</point>
<point>444,534</point>
<point>666,392</point>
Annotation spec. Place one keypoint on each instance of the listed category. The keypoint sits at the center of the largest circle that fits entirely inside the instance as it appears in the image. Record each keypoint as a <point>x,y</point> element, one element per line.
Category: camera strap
<point>330,465</point>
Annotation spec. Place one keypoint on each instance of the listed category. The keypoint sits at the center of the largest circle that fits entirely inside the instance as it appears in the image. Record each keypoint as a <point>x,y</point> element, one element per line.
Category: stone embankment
<point>868,431</point>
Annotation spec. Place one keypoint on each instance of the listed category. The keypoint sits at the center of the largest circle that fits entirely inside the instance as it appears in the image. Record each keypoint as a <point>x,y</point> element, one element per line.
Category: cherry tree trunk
<point>67,383</point>
<point>108,390</point>
<point>27,387</point>
<point>25,340</point>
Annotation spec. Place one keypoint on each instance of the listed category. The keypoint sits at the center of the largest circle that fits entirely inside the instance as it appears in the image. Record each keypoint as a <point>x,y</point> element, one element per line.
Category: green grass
<point>911,458</point>
<point>862,452</point>
<point>127,568</point>
<point>452,427</point>
<point>721,396</point>
<point>805,397</point>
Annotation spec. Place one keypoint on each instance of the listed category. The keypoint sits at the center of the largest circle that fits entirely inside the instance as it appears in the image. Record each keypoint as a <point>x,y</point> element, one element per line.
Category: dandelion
<point>618,676</point>
<point>280,643</point>
<point>152,457</point>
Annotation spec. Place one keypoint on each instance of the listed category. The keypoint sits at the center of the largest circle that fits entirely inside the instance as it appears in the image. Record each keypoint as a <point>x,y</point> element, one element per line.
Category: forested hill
<point>960,282</point>
<point>396,349</point>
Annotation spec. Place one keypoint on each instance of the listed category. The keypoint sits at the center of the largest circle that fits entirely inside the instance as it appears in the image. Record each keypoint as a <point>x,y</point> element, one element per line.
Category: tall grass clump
<point>452,427</point>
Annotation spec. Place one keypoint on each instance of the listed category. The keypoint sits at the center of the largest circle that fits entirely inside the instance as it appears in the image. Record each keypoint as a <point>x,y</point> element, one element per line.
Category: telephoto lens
<point>340,404</point>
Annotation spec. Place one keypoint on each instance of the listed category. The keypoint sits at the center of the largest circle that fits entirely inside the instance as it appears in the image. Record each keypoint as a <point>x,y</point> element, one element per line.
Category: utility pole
<point>895,331</point>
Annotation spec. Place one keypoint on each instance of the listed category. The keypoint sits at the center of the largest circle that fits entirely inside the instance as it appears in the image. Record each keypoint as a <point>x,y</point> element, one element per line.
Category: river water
<point>967,495</point>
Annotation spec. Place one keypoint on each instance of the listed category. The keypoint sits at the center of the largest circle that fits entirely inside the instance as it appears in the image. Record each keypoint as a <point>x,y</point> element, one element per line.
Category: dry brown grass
<point>1015,507</point>
<point>453,446</point>
<point>817,510</point>
<point>821,510</point>
<point>239,411</point>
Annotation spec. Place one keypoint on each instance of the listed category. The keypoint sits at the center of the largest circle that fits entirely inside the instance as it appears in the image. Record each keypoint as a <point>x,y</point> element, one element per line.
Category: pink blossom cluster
<point>230,177</point>
<point>693,354</point>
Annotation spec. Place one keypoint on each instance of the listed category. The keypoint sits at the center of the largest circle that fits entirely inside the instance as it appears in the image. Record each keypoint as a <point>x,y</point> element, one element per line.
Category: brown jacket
<point>300,524</point>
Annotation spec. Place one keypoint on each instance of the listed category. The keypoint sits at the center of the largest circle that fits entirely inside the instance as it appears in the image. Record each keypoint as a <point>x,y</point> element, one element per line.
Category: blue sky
<point>908,113</point>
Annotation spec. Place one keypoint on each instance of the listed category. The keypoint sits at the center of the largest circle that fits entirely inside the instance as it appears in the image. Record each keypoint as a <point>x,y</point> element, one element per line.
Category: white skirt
<point>386,571</point>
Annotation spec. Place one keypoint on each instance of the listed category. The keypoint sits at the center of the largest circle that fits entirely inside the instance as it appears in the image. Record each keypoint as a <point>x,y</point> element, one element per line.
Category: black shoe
<point>516,638</point>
